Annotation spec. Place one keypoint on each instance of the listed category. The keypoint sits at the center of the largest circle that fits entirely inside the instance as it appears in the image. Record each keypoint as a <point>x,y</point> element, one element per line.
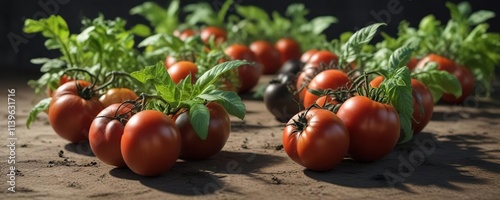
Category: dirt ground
<point>457,156</point>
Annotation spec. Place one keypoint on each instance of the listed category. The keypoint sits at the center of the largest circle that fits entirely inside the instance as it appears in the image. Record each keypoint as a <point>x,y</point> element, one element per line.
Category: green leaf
<point>229,100</point>
<point>38,61</point>
<point>164,20</point>
<point>438,81</point>
<point>141,30</point>
<point>480,17</point>
<point>253,12</point>
<point>151,40</point>
<point>319,24</point>
<point>160,78</point>
<point>400,57</point>
<point>355,43</point>
<point>41,106</point>
<point>200,119</point>
<point>53,65</point>
<point>209,77</point>
<point>398,89</point>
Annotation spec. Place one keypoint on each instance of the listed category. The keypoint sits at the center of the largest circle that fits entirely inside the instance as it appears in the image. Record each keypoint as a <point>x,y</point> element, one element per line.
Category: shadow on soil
<point>82,148</point>
<point>203,177</point>
<point>425,161</point>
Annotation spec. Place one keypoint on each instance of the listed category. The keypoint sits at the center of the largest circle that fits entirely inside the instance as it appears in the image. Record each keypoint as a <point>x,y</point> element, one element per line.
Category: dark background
<point>352,15</point>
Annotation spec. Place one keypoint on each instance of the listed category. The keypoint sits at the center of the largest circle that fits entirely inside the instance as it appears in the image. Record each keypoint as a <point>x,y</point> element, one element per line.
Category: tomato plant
<point>199,101</point>
<point>267,55</point>
<point>73,107</point>
<point>219,128</point>
<point>106,133</point>
<point>316,139</point>
<point>151,143</point>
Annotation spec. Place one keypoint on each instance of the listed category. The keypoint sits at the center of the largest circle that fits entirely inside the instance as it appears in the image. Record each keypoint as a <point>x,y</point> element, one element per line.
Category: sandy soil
<point>457,156</point>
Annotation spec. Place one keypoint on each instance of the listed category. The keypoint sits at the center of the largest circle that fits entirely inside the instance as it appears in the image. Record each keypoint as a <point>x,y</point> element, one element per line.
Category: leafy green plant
<point>101,47</point>
<point>186,95</point>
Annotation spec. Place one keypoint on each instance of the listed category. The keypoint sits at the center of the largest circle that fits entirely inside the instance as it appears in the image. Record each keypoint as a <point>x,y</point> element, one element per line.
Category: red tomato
<point>467,81</point>
<point>423,104</point>
<point>307,55</point>
<point>249,74</point>
<point>72,110</point>
<point>169,61</point>
<point>375,83</point>
<point>117,95</point>
<point>328,79</point>
<point>181,70</point>
<point>106,132</point>
<point>289,49</point>
<point>325,100</point>
<point>219,34</point>
<point>319,141</point>
<point>193,147</point>
<point>443,63</point>
<point>62,80</point>
<point>151,143</point>
<point>305,76</point>
<point>323,56</point>
<point>267,55</point>
<point>412,64</point>
<point>185,34</point>
<point>373,128</point>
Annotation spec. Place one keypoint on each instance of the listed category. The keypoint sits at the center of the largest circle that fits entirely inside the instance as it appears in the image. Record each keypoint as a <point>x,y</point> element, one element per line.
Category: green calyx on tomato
<point>194,96</point>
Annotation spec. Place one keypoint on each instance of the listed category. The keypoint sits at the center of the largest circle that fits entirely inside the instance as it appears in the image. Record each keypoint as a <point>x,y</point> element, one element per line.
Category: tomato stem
<point>112,79</point>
